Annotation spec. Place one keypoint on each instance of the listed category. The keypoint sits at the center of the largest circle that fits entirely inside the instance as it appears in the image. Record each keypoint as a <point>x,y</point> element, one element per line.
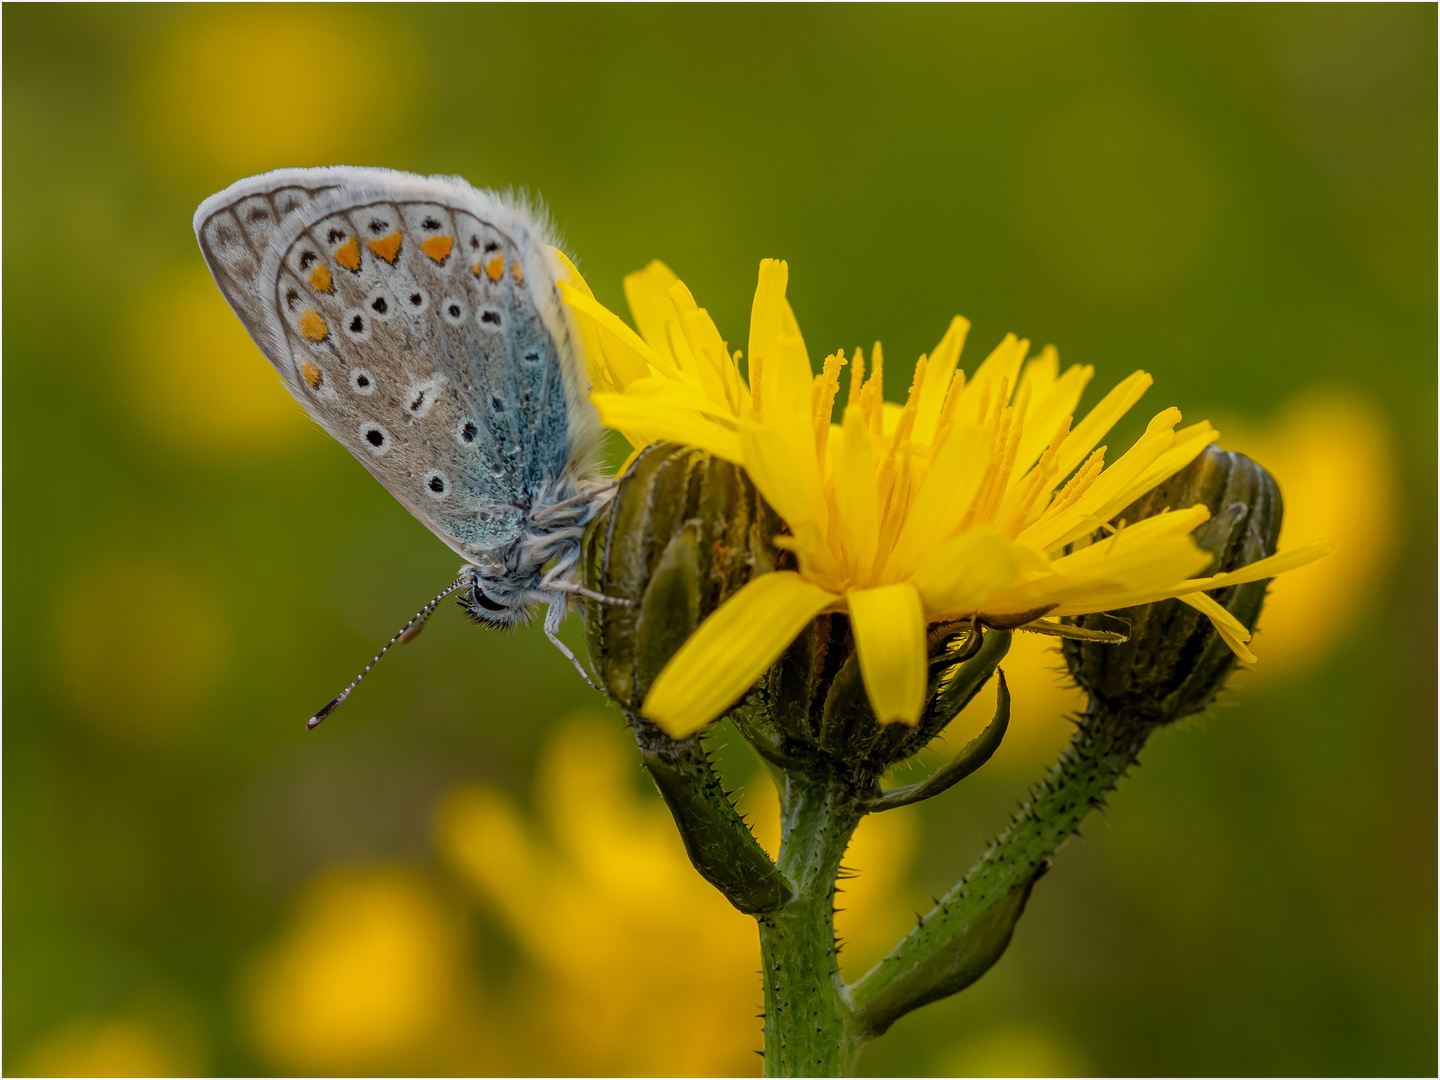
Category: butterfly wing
<point>418,321</point>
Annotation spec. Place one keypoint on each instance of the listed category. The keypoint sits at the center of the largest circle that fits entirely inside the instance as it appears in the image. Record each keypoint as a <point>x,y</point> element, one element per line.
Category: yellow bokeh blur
<point>197,382</point>
<point>1043,699</point>
<point>1332,452</point>
<point>369,973</point>
<point>1015,1050</point>
<point>137,646</point>
<point>238,89</point>
<point>642,968</point>
<point>118,1046</point>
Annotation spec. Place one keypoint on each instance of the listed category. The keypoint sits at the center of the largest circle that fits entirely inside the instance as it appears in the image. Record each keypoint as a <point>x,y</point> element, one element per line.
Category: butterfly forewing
<point>417,320</point>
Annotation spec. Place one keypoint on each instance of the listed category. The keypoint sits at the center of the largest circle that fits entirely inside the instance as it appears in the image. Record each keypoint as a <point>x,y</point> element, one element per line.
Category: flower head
<point>977,499</point>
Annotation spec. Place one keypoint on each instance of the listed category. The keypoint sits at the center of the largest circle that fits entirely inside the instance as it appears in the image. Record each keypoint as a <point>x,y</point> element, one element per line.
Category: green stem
<point>807,1005</point>
<point>1104,747</point>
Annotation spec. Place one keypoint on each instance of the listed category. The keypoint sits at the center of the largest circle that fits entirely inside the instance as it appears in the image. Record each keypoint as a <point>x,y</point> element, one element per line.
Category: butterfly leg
<point>589,594</point>
<point>554,616</point>
<point>582,504</point>
<point>552,582</point>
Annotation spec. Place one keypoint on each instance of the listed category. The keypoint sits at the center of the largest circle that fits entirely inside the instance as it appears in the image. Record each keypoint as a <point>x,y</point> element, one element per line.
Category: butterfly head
<point>497,604</point>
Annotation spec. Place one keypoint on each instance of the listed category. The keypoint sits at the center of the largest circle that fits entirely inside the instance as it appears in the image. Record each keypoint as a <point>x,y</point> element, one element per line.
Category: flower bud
<point>1174,663</point>
<point>684,533</point>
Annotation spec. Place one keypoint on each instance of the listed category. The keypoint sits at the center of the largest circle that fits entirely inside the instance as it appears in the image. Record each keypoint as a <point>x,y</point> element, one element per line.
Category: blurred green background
<point>464,871</point>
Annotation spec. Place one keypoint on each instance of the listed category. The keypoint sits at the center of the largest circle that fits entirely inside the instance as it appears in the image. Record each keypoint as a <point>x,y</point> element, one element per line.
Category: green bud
<point>684,532</point>
<point>812,705</point>
<point>1174,663</point>
<point>955,958</point>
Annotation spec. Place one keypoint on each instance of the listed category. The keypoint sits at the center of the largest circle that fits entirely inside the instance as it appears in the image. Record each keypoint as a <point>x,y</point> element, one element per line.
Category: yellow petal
<point>889,628</point>
<point>1098,421</point>
<point>709,348</point>
<point>731,649</point>
<point>856,500</point>
<point>1265,568</point>
<point>648,294</point>
<point>683,393</point>
<point>1148,531</point>
<point>1190,442</point>
<point>1104,497</point>
<point>1231,630</point>
<point>947,492</point>
<point>1036,378</point>
<point>776,345</point>
<point>1145,569</point>
<point>572,272</point>
<point>618,336</point>
<point>1130,575</point>
<point>1001,366</point>
<point>1048,408</point>
<point>1124,576</point>
<point>699,349</point>
<point>1139,592</point>
<point>779,455</point>
<point>643,424</point>
<point>959,576</point>
<point>602,377</point>
<point>939,370</point>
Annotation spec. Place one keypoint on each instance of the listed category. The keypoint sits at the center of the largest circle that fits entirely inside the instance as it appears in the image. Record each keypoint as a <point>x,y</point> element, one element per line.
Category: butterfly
<point>417,320</point>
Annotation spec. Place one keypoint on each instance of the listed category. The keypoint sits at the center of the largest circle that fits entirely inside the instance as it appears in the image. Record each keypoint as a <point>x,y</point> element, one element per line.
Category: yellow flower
<point>954,506</point>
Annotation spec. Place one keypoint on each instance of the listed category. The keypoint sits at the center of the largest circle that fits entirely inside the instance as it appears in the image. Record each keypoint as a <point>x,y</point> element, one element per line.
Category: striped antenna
<point>408,631</point>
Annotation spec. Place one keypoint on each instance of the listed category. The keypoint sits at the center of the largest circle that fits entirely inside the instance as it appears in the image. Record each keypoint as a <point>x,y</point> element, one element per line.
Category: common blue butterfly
<point>417,320</point>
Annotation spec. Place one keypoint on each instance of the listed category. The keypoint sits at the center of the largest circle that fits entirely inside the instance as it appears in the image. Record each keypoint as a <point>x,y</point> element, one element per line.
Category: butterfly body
<point>417,320</point>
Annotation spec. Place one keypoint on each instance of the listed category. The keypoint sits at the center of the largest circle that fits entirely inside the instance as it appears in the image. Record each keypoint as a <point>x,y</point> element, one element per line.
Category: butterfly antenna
<point>408,631</point>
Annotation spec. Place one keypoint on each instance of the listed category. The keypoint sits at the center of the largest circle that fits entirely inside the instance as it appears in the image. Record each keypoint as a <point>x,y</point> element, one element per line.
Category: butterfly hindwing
<point>234,229</point>
<point>417,320</point>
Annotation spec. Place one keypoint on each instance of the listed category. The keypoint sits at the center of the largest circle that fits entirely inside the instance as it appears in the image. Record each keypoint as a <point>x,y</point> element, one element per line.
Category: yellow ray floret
<point>962,502</point>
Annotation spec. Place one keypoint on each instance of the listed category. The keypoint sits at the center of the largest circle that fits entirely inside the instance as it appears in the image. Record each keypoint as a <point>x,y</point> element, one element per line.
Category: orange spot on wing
<point>438,247</point>
<point>387,247</point>
<point>313,375</point>
<point>517,273</point>
<point>320,279</point>
<point>475,269</point>
<point>348,255</point>
<point>495,268</point>
<point>312,326</point>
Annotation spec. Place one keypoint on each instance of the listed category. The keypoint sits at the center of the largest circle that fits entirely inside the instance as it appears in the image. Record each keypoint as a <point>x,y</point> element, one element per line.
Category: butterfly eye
<point>465,432</point>
<point>437,484</point>
<point>378,303</point>
<point>488,604</point>
<point>375,438</point>
<point>492,317</point>
<point>431,223</point>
